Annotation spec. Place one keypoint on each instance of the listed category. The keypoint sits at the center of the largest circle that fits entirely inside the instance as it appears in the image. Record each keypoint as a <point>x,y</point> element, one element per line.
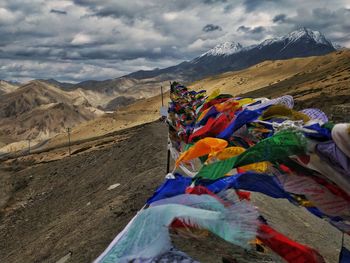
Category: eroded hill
<point>322,82</point>
<point>38,111</point>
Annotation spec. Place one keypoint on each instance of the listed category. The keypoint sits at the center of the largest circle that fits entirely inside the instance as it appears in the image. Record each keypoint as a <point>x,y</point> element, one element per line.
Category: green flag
<point>275,148</point>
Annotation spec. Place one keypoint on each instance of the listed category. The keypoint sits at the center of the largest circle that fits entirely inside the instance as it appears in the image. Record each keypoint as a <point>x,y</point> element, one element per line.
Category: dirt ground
<point>52,208</point>
<point>61,208</point>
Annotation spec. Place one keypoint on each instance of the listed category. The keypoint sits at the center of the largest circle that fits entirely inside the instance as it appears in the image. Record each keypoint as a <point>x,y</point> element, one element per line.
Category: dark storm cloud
<point>59,12</point>
<point>253,5</point>
<point>210,2</point>
<point>243,29</point>
<point>319,18</point>
<point>97,39</point>
<point>24,7</point>
<point>211,27</point>
<point>333,23</point>
<point>279,18</point>
<point>125,55</point>
<point>140,9</point>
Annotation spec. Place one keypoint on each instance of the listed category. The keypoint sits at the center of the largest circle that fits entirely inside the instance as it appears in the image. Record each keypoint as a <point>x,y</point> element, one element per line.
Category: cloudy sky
<point>75,40</point>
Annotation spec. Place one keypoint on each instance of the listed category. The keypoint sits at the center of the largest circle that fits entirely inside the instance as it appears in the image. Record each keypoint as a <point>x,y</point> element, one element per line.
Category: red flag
<point>288,249</point>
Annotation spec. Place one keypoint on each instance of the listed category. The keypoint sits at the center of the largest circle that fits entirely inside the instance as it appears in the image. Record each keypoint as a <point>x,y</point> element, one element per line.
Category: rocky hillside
<point>6,87</point>
<point>38,110</point>
<point>72,207</point>
<point>321,81</point>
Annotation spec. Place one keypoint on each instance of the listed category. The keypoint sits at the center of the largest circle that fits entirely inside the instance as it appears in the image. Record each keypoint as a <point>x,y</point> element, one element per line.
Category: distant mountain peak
<point>224,49</point>
<point>299,34</point>
<point>338,47</point>
<point>303,34</point>
<point>317,36</point>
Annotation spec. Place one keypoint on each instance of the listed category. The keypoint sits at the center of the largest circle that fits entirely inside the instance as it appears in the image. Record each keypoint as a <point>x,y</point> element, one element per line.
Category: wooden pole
<point>168,162</point>
<point>161,91</point>
<point>168,157</point>
<point>68,131</point>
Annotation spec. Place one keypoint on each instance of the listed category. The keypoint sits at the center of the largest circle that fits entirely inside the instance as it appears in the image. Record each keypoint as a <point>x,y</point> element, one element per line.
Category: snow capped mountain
<point>302,33</point>
<point>337,46</point>
<point>224,49</point>
<point>230,56</point>
<point>317,36</point>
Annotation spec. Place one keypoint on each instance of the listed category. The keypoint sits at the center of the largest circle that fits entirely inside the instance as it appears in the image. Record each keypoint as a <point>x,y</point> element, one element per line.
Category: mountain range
<point>314,82</point>
<point>51,201</point>
<point>224,57</point>
<point>230,56</point>
<point>43,103</point>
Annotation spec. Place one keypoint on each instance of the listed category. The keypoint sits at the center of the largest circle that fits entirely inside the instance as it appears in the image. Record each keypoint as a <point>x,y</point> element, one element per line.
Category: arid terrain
<point>6,87</point>
<point>50,208</point>
<point>322,82</point>
<point>37,111</point>
<point>55,207</point>
<point>88,91</point>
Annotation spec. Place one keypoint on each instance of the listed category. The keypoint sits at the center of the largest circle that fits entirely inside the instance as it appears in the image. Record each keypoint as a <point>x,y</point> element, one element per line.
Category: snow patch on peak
<point>294,36</point>
<point>224,49</point>
<point>270,41</point>
<point>317,36</point>
<point>337,46</point>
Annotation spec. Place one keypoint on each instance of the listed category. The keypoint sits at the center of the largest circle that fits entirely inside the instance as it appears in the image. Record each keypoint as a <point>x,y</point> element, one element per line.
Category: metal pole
<point>68,131</point>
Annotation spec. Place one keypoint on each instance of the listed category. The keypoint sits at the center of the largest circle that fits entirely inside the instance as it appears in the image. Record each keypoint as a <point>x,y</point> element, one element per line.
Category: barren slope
<point>325,77</point>
<point>49,209</point>
<point>322,71</point>
<point>102,93</point>
<point>38,110</point>
<point>142,111</point>
<point>6,87</point>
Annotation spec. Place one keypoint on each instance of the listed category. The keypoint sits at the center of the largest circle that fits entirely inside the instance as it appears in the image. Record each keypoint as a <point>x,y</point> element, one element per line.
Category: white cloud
<point>157,50</point>
<point>107,38</point>
<point>81,39</point>
<point>170,16</point>
<point>6,17</point>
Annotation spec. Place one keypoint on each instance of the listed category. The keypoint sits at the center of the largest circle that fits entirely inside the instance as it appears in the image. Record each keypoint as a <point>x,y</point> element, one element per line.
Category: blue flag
<point>344,255</point>
<point>242,118</point>
<point>250,181</point>
<point>170,188</point>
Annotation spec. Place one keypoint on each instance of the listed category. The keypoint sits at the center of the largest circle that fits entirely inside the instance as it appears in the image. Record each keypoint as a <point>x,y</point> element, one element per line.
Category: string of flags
<point>225,147</point>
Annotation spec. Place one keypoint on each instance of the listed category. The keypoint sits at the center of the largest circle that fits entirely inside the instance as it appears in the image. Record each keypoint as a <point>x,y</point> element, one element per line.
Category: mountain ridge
<point>231,47</point>
<point>7,86</point>
<point>302,42</point>
<point>230,56</point>
<point>305,78</point>
<point>38,110</point>
<point>92,96</point>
